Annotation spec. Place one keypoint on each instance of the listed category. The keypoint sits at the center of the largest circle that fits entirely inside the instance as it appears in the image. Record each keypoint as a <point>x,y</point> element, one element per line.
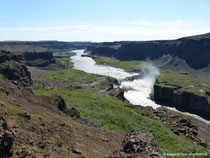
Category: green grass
<point>64,59</point>
<point>70,75</point>
<point>126,65</point>
<point>62,54</point>
<point>10,109</point>
<point>183,82</point>
<point>75,77</point>
<point>112,114</point>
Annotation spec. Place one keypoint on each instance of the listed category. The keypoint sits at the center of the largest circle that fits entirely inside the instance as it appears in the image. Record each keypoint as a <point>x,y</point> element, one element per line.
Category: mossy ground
<point>126,65</point>
<point>49,132</point>
<point>113,114</point>
<point>68,74</point>
<point>184,82</point>
<point>9,109</point>
<point>64,59</point>
<point>73,77</point>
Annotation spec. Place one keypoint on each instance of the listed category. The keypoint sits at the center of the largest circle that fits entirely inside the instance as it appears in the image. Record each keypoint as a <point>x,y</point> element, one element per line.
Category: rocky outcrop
<point>13,70</point>
<point>30,55</point>
<point>178,123</point>
<point>72,112</point>
<point>184,101</point>
<point>41,59</point>
<point>137,145</point>
<point>194,50</point>
<point>6,139</point>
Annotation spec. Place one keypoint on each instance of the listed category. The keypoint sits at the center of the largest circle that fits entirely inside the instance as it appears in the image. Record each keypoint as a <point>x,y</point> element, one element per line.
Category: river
<point>136,91</point>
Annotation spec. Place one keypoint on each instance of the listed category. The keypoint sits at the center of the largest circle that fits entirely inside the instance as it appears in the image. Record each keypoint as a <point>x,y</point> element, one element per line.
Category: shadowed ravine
<point>137,87</point>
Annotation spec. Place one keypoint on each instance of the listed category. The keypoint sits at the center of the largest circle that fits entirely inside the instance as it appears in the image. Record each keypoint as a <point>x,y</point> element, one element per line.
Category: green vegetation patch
<point>10,109</point>
<point>182,82</point>
<point>1,76</point>
<point>113,114</point>
<point>64,59</point>
<point>126,65</point>
<point>70,75</point>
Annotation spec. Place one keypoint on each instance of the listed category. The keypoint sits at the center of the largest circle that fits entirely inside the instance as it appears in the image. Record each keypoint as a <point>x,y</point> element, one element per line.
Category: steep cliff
<point>195,50</point>
<point>14,70</point>
<point>29,54</point>
<point>184,101</point>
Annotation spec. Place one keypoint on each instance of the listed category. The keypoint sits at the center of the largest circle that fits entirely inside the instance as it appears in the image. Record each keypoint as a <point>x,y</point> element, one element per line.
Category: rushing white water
<point>137,91</point>
<point>88,65</point>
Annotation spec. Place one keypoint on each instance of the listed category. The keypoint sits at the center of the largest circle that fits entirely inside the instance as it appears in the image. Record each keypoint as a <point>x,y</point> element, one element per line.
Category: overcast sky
<point>102,20</point>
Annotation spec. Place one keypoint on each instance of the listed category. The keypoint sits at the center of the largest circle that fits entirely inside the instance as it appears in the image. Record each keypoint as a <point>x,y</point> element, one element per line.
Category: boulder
<point>13,70</point>
<point>60,103</point>
<point>6,139</point>
<point>73,112</point>
<point>136,145</point>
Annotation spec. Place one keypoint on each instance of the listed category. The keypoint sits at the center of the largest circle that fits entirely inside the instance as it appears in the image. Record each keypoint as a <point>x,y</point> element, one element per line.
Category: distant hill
<point>31,55</point>
<point>195,50</point>
<point>39,53</point>
<point>55,46</point>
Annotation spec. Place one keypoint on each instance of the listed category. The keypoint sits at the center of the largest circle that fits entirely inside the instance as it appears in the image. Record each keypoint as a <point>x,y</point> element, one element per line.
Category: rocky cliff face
<point>14,70</point>
<point>184,101</point>
<point>6,139</point>
<point>30,55</point>
<point>195,50</point>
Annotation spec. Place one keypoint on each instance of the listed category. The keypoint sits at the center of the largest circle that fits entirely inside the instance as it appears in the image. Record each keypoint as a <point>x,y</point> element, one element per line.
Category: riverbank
<point>100,103</point>
<point>178,83</point>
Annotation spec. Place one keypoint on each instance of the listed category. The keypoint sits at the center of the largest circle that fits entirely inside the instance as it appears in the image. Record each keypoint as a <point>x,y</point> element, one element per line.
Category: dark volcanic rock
<point>13,70</point>
<point>60,103</point>
<point>184,101</point>
<point>137,145</point>
<point>28,54</point>
<point>6,139</point>
<point>194,50</point>
<point>87,122</point>
<point>73,112</point>
<point>25,115</point>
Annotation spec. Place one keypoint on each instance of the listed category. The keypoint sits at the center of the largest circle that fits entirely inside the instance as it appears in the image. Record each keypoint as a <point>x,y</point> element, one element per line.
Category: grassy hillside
<point>112,114</point>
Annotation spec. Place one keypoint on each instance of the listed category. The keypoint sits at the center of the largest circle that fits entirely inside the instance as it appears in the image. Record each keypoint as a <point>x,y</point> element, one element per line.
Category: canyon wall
<point>195,50</point>
<point>13,70</point>
<point>183,101</point>
<point>30,55</point>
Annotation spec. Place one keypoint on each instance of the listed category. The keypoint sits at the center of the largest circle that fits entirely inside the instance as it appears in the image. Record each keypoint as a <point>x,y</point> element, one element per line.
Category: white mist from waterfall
<point>138,91</point>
